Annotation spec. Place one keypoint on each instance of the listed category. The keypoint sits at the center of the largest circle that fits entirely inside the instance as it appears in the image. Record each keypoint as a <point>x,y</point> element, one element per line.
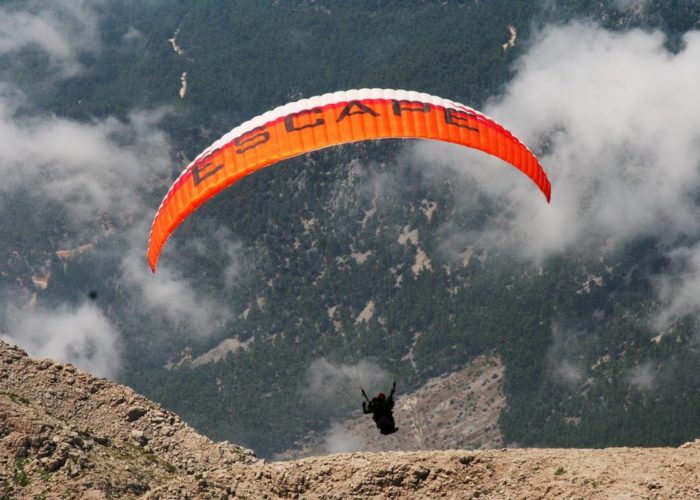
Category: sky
<point>612,116</point>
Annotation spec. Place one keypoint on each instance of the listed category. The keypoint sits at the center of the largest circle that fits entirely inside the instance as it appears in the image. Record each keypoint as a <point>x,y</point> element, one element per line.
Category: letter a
<point>347,110</point>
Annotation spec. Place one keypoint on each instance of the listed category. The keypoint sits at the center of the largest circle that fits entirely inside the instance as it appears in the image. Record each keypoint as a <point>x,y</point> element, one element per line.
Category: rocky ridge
<point>67,434</point>
<point>59,425</point>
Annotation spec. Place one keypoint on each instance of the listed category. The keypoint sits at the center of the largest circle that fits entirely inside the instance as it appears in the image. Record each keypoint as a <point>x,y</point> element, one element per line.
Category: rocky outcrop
<point>58,423</point>
<point>66,434</point>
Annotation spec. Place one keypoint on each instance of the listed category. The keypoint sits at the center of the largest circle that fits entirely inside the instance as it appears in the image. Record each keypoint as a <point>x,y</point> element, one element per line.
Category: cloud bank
<point>88,168</point>
<point>615,122</point>
<point>613,118</point>
<point>97,178</point>
<point>81,335</point>
<point>61,29</point>
<point>169,295</point>
<point>680,291</point>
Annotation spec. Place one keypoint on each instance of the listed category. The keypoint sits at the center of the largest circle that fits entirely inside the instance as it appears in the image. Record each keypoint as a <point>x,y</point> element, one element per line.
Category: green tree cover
<point>245,57</point>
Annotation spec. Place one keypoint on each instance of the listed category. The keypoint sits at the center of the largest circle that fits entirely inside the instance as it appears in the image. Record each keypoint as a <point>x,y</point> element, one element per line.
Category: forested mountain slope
<point>367,262</point>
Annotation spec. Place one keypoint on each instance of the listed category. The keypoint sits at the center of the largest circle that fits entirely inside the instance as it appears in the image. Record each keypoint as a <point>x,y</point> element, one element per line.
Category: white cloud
<point>636,7</point>
<point>567,373</point>
<point>81,335</point>
<point>327,380</point>
<point>90,168</point>
<point>564,365</point>
<point>92,171</point>
<point>220,241</point>
<point>21,28</point>
<point>338,439</point>
<point>106,169</point>
<point>642,377</point>
<point>366,184</point>
<point>168,294</point>
<point>132,35</point>
<point>616,117</point>
<point>63,29</point>
<point>679,291</point>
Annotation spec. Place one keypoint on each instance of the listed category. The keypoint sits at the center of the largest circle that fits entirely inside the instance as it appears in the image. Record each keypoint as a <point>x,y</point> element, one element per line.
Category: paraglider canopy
<point>328,120</point>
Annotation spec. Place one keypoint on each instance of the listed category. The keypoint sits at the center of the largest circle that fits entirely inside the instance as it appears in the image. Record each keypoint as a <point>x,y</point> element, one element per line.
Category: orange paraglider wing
<point>327,120</point>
